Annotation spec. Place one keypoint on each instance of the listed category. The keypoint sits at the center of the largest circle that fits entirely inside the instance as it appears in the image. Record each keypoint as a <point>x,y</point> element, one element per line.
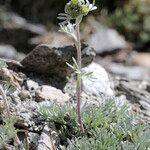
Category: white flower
<point>91,6</point>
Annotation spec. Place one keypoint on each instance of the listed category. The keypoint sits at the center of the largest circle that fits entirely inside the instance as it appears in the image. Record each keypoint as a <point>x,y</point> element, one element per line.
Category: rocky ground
<point>38,79</point>
<point>43,76</point>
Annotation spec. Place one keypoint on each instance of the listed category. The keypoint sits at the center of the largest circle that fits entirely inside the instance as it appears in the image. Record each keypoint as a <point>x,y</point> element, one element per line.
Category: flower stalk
<point>78,86</point>
<point>75,10</point>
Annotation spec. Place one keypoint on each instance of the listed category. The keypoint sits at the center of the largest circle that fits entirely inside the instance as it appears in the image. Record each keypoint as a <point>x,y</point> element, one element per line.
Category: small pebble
<point>50,93</point>
<point>24,95</point>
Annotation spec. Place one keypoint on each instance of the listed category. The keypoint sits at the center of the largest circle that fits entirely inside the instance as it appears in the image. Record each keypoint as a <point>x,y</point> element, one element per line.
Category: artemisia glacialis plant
<point>75,10</point>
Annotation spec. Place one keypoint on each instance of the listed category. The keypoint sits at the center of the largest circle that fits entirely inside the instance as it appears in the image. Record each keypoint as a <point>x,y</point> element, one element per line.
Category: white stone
<point>51,93</point>
<point>31,85</point>
<point>106,40</point>
<point>45,142</point>
<point>7,51</point>
<point>98,82</point>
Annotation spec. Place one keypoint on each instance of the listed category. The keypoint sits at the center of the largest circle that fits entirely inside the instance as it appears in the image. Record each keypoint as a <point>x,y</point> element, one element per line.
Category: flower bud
<point>75,8</point>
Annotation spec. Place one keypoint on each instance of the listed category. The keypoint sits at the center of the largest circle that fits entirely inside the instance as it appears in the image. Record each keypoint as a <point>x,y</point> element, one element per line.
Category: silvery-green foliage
<point>106,127</point>
<point>75,66</point>
<point>56,112</point>
<point>76,69</point>
<point>63,116</point>
<point>8,88</point>
<point>103,115</point>
<point>7,130</point>
<point>3,64</point>
<point>103,139</point>
<point>69,28</point>
<point>142,141</point>
<point>114,137</point>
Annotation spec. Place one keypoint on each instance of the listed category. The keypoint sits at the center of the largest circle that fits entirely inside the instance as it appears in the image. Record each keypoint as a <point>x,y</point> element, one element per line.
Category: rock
<point>17,31</point>
<point>145,105</point>
<point>15,21</point>
<point>98,82</point>
<point>15,98</point>
<point>142,59</point>
<point>137,96</point>
<point>51,94</point>
<point>31,85</point>
<point>52,61</point>
<point>25,111</point>
<point>24,94</point>
<point>132,88</point>
<point>148,88</point>
<point>131,72</point>
<point>7,51</point>
<point>33,138</point>
<point>105,39</point>
<point>46,142</point>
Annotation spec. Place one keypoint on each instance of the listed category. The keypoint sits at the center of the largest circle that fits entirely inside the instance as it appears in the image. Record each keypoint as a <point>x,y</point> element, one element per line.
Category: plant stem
<point>2,93</point>
<point>78,87</point>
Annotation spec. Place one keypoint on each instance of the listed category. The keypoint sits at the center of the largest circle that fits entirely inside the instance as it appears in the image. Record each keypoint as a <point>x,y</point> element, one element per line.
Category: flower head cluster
<point>76,8</point>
